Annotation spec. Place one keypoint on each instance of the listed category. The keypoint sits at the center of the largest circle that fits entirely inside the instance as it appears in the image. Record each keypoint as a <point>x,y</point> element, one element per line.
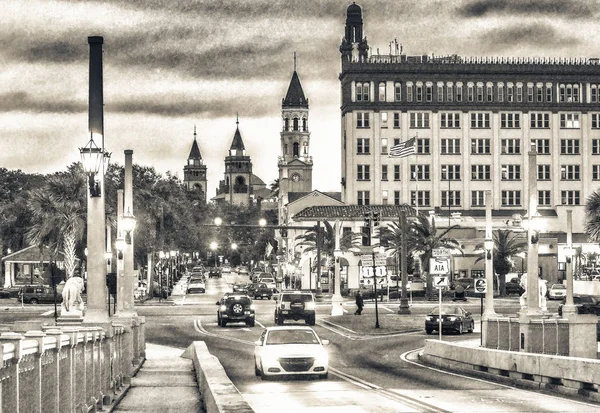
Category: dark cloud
<point>24,102</point>
<point>35,49</point>
<point>536,35</point>
<point>557,8</point>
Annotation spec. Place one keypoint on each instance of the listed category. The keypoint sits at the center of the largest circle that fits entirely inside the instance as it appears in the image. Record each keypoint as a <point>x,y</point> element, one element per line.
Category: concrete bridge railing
<point>67,369</point>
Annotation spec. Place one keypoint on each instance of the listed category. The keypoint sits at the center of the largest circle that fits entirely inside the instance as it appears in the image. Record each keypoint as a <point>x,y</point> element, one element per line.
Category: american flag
<point>403,149</point>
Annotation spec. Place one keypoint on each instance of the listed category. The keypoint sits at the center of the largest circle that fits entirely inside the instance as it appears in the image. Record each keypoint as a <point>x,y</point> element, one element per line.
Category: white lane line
<point>404,357</point>
<point>47,312</point>
<point>259,323</point>
<point>198,327</point>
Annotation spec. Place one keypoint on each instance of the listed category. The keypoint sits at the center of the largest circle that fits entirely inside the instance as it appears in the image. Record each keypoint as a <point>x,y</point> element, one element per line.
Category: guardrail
<point>67,369</point>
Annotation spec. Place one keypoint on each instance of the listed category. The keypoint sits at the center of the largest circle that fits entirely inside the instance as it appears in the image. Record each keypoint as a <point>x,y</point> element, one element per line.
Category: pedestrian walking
<point>286,281</point>
<point>359,303</point>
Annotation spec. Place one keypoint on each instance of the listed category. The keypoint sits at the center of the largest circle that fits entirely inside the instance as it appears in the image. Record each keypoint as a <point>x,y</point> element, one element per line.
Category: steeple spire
<point>294,61</point>
<point>237,144</point>
<point>295,95</point>
<point>194,131</point>
<point>195,151</point>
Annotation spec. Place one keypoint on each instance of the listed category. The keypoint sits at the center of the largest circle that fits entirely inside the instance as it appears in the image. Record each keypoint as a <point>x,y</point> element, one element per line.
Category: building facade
<point>194,172</point>
<point>474,121</point>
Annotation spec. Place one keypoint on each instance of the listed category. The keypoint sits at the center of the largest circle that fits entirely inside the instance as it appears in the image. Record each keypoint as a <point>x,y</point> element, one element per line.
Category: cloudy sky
<point>173,64</point>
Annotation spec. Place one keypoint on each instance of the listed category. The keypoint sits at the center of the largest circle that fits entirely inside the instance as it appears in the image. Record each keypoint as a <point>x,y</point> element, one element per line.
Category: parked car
<point>513,286</point>
<point>295,305</point>
<point>290,350</point>
<point>557,292</point>
<point>235,308</point>
<point>37,294</point>
<point>5,294</point>
<point>454,318</point>
<point>586,304</point>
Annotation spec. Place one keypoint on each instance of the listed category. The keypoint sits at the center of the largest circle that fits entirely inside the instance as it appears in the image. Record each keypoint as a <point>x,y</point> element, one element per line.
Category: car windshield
<point>277,337</point>
<point>558,287</point>
<point>243,300</point>
<point>447,310</point>
<point>301,297</point>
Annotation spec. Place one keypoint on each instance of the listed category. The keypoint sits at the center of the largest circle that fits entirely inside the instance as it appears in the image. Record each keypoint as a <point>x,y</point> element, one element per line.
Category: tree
<point>274,187</point>
<point>507,244</point>
<point>423,238</point>
<point>592,216</point>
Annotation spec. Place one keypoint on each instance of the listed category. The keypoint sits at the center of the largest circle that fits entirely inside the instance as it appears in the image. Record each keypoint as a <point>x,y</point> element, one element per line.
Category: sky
<point>170,65</point>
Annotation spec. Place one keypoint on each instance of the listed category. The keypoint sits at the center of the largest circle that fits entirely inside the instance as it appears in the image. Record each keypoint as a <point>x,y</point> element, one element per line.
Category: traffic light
<point>283,232</point>
<point>367,216</point>
<point>366,236</point>
<point>375,219</point>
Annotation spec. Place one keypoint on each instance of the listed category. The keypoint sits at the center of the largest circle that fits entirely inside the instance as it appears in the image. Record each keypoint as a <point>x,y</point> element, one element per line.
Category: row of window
<point>300,125</point>
<point>478,172</point>
<point>453,198</point>
<point>480,146</point>
<point>479,120</point>
<point>476,92</point>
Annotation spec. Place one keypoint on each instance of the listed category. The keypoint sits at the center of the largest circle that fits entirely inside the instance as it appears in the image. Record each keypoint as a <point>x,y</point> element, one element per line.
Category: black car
<point>34,294</point>
<point>454,318</point>
<point>586,304</point>
<point>295,305</point>
<point>5,294</point>
<point>513,286</point>
<point>214,272</point>
<point>234,308</point>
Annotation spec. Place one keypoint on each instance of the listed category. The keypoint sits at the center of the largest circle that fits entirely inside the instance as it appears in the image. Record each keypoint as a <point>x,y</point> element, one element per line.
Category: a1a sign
<point>439,267</point>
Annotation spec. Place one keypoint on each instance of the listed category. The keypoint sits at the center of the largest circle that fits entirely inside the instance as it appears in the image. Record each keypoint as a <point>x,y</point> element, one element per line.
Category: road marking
<point>47,312</point>
<point>259,323</point>
<point>198,327</point>
<point>404,357</point>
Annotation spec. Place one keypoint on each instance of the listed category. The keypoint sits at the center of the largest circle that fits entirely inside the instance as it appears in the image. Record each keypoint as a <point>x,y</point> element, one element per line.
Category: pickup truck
<point>260,290</point>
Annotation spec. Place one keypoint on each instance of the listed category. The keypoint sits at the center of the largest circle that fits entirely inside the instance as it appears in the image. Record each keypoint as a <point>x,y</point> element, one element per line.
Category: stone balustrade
<point>67,369</point>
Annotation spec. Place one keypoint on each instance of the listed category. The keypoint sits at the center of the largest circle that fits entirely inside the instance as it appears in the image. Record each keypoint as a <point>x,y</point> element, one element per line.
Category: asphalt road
<point>367,373</point>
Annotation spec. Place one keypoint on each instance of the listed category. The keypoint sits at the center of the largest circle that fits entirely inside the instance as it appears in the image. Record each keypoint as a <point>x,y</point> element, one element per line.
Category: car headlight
<point>429,318</point>
<point>309,305</point>
<point>252,306</point>
<point>223,308</point>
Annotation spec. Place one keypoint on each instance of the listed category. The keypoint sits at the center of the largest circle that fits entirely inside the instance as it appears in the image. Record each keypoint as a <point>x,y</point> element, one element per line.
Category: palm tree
<point>274,187</point>
<point>507,244</point>
<point>592,216</point>
<point>423,238</point>
<point>59,211</point>
<point>326,240</point>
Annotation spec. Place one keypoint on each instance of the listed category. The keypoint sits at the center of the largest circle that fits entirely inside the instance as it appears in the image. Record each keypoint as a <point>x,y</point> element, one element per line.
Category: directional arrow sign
<point>439,266</point>
<point>480,285</point>
<point>439,281</point>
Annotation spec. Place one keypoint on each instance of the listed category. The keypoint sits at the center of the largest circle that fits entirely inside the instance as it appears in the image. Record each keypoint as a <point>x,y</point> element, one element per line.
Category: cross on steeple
<point>294,61</point>
<point>237,118</point>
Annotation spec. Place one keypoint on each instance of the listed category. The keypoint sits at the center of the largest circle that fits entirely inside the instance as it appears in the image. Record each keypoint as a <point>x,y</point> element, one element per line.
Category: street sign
<point>439,266</point>
<point>480,285</point>
<point>366,260</point>
<point>440,281</point>
<point>380,260</point>
<point>440,252</point>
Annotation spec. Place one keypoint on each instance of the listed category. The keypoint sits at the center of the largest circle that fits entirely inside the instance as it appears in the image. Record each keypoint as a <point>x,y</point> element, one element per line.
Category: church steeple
<point>194,172</point>
<point>295,95</point>
<point>195,151</point>
<point>237,145</point>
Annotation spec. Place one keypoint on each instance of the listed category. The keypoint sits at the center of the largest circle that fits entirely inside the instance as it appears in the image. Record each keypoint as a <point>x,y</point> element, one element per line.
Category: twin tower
<point>240,186</point>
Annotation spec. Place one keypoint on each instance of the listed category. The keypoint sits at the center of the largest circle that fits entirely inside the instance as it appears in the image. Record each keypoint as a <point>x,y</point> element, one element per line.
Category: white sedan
<point>290,350</point>
<point>557,292</point>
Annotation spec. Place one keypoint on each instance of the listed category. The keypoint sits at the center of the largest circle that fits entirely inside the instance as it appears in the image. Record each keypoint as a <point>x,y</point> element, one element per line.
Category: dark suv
<point>34,294</point>
<point>585,304</point>
<point>513,286</point>
<point>235,309</point>
<point>295,305</point>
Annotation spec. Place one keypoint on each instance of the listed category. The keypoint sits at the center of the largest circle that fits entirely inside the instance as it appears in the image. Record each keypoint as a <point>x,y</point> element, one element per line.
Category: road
<point>367,373</point>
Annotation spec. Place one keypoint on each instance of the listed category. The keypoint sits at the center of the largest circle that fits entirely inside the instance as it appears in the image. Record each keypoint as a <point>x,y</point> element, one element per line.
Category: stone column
<point>569,307</point>
<point>336,300</point>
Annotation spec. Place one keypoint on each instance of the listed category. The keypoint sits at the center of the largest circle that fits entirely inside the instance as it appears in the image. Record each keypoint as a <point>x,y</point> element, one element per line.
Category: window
<point>480,146</point>
<point>595,120</point>
<point>383,116</point>
<point>428,92</point>
<point>542,146</point>
<point>304,125</point>
<point>419,120</point>
<point>479,93</point>
<point>423,146</point>
<point>510,120</point>
<point>480,120</point>
<point>420,198</point>
<point>384,146</point>
<point>569,146</point>
<point>595,93</point>
<point>549,92</point>
<point>570,197</point>
<point>363,172</point>
<point>384,172</point>
<point>363,198</point>
<point>500,92</point>
<point>286,124</point>
<point>511,198</point>
<point>450,173</point>
<point>419,92</point>
<point>381,92</point>
<point>295,124</point>
<point>450,146</point>
<point>568,93</point>
<point>470,93</point>
<point>296,149</point>
<point>419,173</point>
<point>397,92</point>
<point>569,172</point>
<point>362,92</point>
<point>384,197</point>
<point>362,119</point>
<point>519,92</point>
<point>396,120</point>
<point>477,198</point>
<point>540,92</point>
<point>539,120</point>
<point>450,198</point>
<point>396,172</point>
<point>489,92</point>
<point>459,92</point>
<point>362,146</point>
<point>530,92</point>
<point>510,97</point>
<point>569,120</point>
<point>596,172</point>
<point>511,146</point>
<point>543,173</point>
<point>511,172</point>
<point>449,94</point>
<point>544,198</point>
<point>595,146</point>
<point>440,92</point>
<point>409,92</point>
<point>480,172</point>
<point>449,120</point>
<point>396,197</point>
